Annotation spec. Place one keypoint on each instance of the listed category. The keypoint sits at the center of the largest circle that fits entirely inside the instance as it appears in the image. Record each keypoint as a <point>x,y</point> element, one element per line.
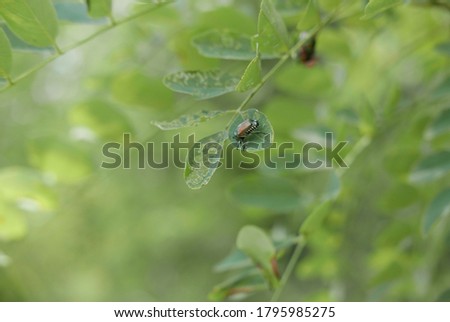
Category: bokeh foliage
<point>70,230</point>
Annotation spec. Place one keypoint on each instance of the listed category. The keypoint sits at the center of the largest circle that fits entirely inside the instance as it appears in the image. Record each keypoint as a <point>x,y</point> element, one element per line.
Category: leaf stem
<point>289,269</point>
<point>60,52</point>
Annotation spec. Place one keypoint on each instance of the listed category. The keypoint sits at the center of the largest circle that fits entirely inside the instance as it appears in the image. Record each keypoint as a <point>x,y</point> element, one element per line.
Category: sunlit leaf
<point>188,120</point>
<point>275,193</point>
<point>252,75</point>
<point>64,160</point>
<point>75,12</point>
<point>315,219</point>
<point>26,189</point>
<point>99,8</point>
<point>203,160</point>
<point>439,208</point>
<point>272,33</point>
<point>20,45</point>
<point>203,85</point>
<point>5,55</point>
<point>33,21</point>
<point>432,167</point>
<point>374,7</point>
<point>260,139</point>
<point>13,225</point>
<point>224,44</point>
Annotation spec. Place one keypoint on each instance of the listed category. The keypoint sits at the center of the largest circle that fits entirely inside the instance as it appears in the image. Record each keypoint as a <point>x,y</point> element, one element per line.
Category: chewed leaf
<point>224,44</point>
<point>189,120</point>
<point>375,7</point>
<point>203,160</point>
<point>201,84</point>
<point>257,140</point>
<point>438,208</point>
<point>252,75</point>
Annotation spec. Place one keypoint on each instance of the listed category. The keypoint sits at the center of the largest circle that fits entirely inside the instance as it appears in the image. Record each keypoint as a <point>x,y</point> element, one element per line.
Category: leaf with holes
<point>201,84</point>
<point>189,120</point>
<point>224,44</point>
<point>203,160</point>
<point>259,139</point>
<point>33,21</point>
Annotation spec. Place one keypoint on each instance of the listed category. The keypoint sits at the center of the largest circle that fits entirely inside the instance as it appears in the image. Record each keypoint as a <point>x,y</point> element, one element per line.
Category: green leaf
<point>76,12</point>
<point>20,45</point>
<point>239,286</point>
<point>276,194</point>
<point>5,55</point>
<point>432,167</point>
<point>374,7</point>
<point>99,8</point>
<point>315,219</point>
<point>33,21</point>
<point>259,139</point>
<point>310,18</point>
<point>252,75</point>
<point>236,260</point>
<point>189,120</point>
<point>224,44</point>
<point>201,84</point>
<point>254,242</point>
<point>439,208</point>
<point>440,125</point>
<point>107,121</point>
<point>203,160</point>
<point>272,34</point>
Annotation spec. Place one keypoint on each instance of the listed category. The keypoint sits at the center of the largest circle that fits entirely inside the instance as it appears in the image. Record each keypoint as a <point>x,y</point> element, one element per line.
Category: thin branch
<point>289,269</point>
<point>61,52</point>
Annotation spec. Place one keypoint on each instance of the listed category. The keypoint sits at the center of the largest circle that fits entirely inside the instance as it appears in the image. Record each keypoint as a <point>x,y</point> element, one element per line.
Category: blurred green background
<point>72,231</point>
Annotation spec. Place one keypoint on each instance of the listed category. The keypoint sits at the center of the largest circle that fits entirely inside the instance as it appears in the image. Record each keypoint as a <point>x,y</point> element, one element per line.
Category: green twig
<point>289,269</point>
<point>60,52</point>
